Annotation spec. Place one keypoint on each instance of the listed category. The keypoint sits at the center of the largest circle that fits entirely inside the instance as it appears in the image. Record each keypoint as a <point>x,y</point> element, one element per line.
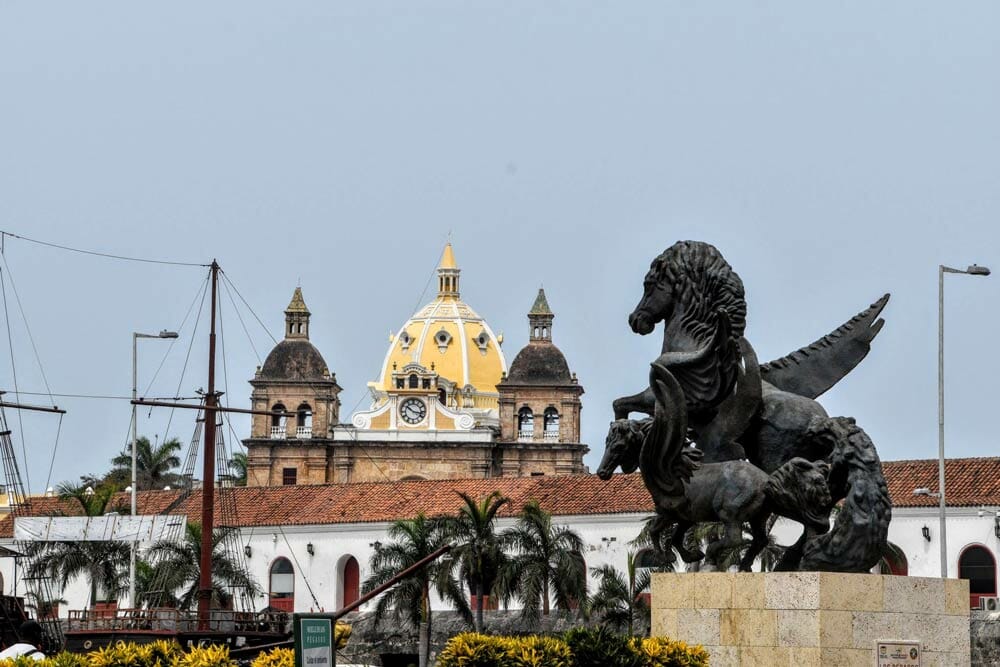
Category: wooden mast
<point>208,477</point>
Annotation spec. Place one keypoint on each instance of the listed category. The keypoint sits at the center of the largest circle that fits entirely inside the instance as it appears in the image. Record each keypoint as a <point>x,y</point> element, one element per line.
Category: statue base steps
<point>812,618</point>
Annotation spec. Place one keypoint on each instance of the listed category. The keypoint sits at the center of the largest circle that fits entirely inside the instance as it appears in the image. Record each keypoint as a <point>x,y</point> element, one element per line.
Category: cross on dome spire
<point>297,317</point>
<point>448,273</point>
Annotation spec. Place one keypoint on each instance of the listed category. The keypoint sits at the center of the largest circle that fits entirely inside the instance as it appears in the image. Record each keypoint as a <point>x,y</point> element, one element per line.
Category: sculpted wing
<point>811,370</point>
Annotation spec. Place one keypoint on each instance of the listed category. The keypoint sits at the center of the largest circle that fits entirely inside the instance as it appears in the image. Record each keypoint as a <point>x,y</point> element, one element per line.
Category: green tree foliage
<point>601,648</point>
<point>154,464</point>
<point>104,564</point>
<point>476,546</point>
<point>177,568</point>
<point>238,469</point>
<point>618,600</point>
<point>409,600</point>
<point>546,563</point>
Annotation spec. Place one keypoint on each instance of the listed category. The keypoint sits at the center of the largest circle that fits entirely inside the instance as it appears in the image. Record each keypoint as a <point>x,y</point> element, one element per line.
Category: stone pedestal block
<point>812,618</point>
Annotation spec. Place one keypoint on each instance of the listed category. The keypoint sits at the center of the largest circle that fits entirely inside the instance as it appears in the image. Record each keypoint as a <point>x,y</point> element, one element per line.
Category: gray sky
<point>832,151</point>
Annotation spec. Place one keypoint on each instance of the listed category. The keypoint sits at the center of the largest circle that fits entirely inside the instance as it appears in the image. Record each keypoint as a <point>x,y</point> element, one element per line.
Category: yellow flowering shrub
<point>277,657</point>
<point>470,649</point>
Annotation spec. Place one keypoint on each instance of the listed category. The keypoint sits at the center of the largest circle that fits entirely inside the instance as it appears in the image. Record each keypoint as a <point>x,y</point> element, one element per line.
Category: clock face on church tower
<point>413,410</point>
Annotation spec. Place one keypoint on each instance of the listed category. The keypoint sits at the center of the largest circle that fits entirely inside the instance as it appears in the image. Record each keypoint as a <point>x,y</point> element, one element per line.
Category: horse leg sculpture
<point>677,542</point>
<point>758,530</point>
<point>642,402</point>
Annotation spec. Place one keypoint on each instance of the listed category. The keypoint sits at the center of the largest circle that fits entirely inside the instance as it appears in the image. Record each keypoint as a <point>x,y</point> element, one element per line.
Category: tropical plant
<point>600,647</point>
<point>664,652</point>
<point>211,655</point>
<point>580,647</point>
<point>276,657</point>
<point>618,600</point>
<point>546,562</point>
<point>409,600</point>
<point>476,546</point>
<point>104,564</point>
<point>470,649</point>
<point>238,467</point>
<point>154,464</point>
<point>702,534</point>
<point>177,568</point>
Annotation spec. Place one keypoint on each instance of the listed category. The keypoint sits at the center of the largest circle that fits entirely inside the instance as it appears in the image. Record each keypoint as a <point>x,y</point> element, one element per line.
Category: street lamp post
<point>973,270</point>
<point>135,390</point>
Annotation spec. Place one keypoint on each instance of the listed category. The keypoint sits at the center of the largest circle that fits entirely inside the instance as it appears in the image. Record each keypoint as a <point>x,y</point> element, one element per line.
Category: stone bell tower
<point>293,445</point>
<point>540,406</point>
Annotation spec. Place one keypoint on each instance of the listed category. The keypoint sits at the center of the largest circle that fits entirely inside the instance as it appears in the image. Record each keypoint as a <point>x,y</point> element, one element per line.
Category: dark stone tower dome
<point>295,358</point>
<point>540,362</point>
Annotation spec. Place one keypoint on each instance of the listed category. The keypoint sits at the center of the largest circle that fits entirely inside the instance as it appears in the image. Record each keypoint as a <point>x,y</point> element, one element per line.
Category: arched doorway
<point>351,577</point>
<point>977,564</point>
<point>893,561</point>
<point>282,585</point>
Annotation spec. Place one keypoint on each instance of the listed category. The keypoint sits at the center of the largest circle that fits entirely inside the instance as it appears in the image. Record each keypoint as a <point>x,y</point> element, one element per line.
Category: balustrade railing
<point>303,431</point>
<point>277,433</point>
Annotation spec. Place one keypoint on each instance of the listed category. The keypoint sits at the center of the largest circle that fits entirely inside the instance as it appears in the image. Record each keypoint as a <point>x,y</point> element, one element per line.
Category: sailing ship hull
<point>89,630</point>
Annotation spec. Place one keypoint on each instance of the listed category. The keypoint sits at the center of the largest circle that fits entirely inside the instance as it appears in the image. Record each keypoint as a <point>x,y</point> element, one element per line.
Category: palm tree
<point>645,551</point>
<point>238,465</point>
<point>618,599</point>
<point>476,545</point>
<point>177,568</point>
<point>414,540</point>
<point>154,465</point>
<point>547,560</point>
<point>105,563</point>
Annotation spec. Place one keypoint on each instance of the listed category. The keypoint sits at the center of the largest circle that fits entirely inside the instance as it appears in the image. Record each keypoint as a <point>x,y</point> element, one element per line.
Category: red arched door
<point>352,581</point>
<point>282,585</point>
<point>978,565</point>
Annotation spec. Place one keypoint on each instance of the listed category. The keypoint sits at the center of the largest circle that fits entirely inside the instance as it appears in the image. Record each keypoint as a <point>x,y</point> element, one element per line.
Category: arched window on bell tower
<point>551,424</point>
<point>278,422</point>
<point>525,424</point>
<point>303,421</point>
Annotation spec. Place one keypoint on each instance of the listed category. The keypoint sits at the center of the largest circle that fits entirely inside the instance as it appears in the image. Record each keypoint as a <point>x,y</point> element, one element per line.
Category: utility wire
<point>109,397</point>
<point>99,254</point>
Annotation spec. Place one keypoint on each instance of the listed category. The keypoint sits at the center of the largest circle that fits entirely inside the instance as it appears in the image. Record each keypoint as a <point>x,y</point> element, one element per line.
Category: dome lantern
<point>297,317</point>
<point>540,318</point>
<point>448,274</point>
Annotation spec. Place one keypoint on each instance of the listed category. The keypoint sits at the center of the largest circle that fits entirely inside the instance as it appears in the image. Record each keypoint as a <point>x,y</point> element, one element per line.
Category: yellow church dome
<point>449,338</point>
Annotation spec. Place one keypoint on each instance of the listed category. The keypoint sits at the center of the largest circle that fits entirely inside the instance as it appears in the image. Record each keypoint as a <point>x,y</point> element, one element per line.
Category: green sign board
<point>314,640</point>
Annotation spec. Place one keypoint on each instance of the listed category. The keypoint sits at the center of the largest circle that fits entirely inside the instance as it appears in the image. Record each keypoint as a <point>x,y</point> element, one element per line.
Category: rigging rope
<point>242,323</point>
<point>55,451</point>
<point>263,326</point>
<point>187,357</point>
<point>179,329</point>
<point>100,254</point>
<point>13,370</point>
<point>27,327</point>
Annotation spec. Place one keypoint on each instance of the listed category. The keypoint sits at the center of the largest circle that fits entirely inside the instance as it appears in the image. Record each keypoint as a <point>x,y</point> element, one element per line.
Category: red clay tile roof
<point>970,482</point>
<point>967,482</point>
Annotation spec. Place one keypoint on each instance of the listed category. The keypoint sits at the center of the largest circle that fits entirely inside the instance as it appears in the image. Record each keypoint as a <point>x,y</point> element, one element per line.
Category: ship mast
<point>208,476</point>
